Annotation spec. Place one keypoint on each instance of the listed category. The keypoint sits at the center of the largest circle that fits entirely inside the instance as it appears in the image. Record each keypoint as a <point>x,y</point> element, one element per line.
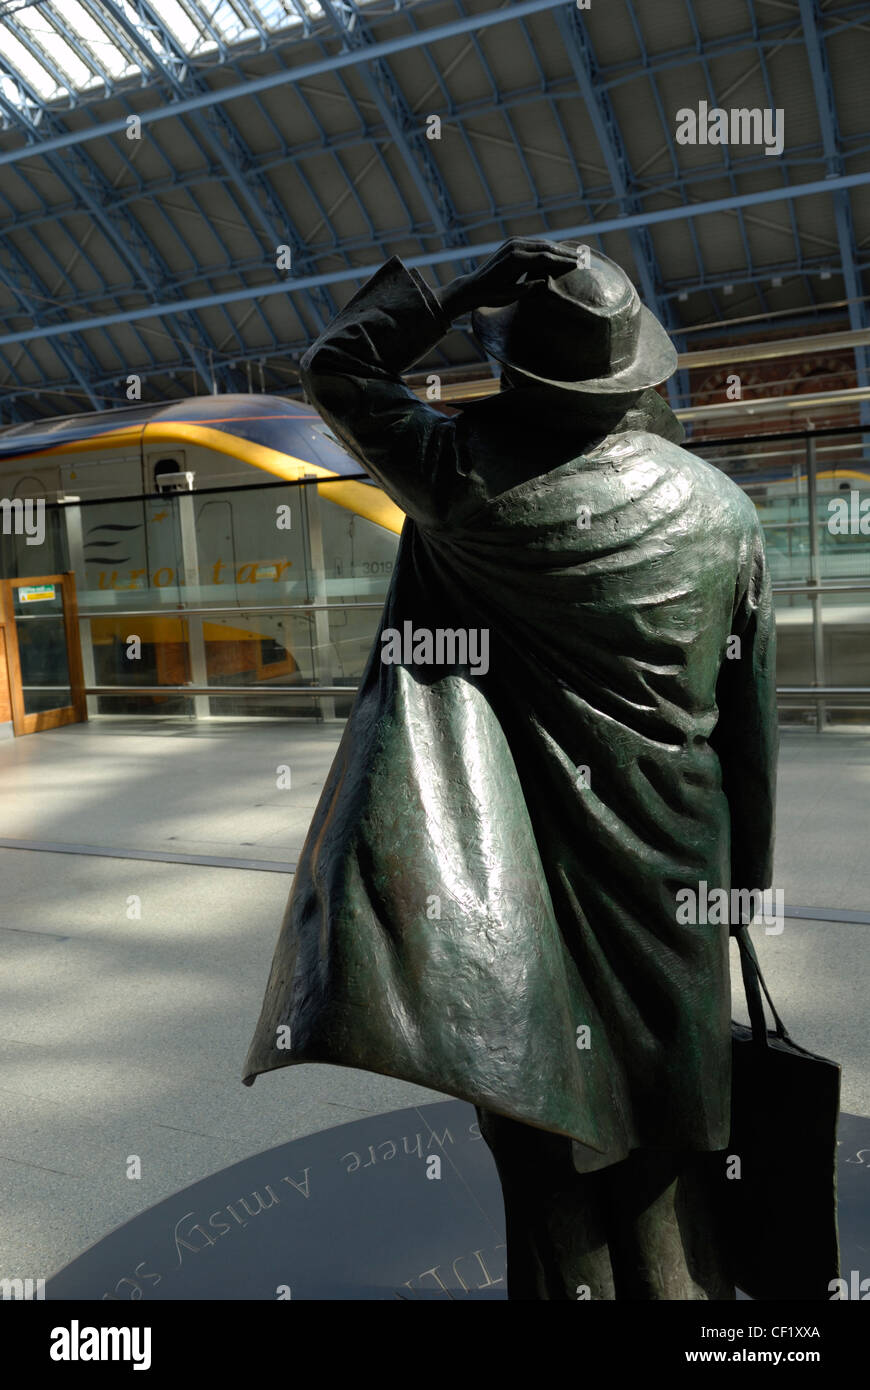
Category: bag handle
<point>753,984</point>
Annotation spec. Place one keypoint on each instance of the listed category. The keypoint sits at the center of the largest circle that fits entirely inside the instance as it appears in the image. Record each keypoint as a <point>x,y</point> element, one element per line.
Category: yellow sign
<point>36,593</point>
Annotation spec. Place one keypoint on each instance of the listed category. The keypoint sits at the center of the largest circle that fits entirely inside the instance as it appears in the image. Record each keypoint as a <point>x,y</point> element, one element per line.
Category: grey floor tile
<point>121,1036</point>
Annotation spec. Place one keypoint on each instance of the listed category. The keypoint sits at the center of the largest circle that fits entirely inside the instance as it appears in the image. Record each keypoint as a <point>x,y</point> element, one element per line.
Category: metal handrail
<point>180,612</point>
<point>821,692</point>
<point>221,689</point>
<point>822,588</point>
<point>810,692</point>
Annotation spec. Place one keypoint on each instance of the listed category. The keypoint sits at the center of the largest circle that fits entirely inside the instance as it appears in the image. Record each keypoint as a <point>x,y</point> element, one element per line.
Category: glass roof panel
<point>34,73</point>
<point>60,67</point>
<point>276,14</point>
<point>110,57</point>
<point>178,23</point>
<point>37,24</point>
<point>228,22</point>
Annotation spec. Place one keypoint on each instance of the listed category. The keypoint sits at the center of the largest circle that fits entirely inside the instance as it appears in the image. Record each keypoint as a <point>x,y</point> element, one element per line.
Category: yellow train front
<point>187,507</point>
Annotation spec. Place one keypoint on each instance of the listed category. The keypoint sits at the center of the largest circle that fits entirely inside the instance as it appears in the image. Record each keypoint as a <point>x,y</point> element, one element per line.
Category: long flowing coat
<point>487,899</point>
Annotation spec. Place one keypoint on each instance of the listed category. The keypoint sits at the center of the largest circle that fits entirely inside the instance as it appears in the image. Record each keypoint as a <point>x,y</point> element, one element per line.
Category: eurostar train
<point>137,472</point>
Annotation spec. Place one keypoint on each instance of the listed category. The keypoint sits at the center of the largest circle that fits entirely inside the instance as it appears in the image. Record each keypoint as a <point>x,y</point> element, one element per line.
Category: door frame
<point>77,711</point>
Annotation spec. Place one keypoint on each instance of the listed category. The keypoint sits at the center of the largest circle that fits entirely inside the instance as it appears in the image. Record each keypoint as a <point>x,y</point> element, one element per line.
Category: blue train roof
<point>289,427</point>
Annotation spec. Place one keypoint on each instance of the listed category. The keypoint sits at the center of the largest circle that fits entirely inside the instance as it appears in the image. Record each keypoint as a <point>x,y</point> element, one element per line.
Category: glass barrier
<point>776,475</point>
<point>33,539</point>
<point>251,596</point>
<point>264,600</point>
<point>45,678</point>
<point>812,494</point>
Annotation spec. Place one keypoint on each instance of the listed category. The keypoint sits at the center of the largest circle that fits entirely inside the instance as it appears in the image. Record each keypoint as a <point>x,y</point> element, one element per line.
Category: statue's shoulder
<point>715,484</point>
<point>662,458</point>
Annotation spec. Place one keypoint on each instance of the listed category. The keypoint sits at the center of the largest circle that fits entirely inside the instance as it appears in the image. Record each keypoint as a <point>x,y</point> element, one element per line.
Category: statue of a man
<point>567,719</point>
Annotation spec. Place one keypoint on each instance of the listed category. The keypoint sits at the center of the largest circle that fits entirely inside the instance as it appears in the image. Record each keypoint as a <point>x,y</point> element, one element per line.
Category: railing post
<point>190,572</point>
<point>72,518</point>
<point>815,580</point>
<point>315,565</point>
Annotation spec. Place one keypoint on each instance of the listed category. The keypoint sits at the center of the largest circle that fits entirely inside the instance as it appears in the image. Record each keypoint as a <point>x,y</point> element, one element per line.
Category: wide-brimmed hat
<point>583,331</point>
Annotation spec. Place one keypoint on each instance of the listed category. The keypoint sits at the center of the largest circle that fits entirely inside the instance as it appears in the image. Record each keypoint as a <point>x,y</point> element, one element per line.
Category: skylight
<point>61,50</point>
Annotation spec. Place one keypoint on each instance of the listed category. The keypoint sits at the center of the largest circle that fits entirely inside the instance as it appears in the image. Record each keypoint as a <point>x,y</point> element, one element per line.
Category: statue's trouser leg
<point>663,1235</point>
<point>556,1222</point>
<point>640,1229</point>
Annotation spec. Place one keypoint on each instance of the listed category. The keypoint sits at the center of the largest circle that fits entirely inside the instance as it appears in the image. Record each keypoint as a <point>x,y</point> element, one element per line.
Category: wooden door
<point>46,683</point>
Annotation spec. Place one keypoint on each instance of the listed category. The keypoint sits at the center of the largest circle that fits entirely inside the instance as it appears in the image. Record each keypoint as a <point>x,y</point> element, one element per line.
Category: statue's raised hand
<point>507,275</point>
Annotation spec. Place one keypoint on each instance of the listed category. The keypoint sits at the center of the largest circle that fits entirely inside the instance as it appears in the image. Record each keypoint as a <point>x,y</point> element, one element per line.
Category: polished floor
<point>143,873</point>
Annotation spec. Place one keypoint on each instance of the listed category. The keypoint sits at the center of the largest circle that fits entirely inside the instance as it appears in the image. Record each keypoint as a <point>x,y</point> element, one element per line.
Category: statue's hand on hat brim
<point>507,275</point>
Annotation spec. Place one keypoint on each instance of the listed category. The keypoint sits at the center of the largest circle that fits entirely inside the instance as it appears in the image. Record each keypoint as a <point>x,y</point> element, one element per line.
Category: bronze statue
<point>552,739</point>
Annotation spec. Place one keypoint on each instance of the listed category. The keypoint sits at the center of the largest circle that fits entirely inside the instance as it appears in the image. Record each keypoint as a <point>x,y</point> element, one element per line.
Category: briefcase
<point>780,1213</point>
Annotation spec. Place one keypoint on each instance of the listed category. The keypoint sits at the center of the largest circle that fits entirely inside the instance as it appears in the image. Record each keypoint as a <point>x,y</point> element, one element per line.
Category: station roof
<point>162,160</point>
